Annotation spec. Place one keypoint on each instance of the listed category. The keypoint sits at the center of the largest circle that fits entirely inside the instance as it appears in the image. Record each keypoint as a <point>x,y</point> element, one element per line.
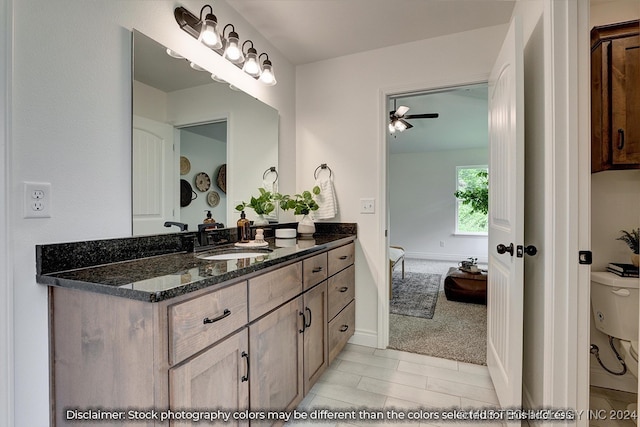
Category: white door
<point>155,177</point>
<point>506,220</point>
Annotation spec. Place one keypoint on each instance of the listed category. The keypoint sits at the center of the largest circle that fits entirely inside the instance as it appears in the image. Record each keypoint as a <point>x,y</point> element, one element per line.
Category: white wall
<point>71,121</point>
<point>422,206</point>
<point>353,146</point>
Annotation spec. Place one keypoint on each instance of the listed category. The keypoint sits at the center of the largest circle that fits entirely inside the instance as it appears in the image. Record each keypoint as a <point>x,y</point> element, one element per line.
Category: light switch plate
<point>367,206</point>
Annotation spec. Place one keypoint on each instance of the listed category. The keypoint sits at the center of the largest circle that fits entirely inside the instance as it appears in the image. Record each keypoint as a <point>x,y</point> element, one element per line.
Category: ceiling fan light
<point>392,128</point>
<point>399,125</point>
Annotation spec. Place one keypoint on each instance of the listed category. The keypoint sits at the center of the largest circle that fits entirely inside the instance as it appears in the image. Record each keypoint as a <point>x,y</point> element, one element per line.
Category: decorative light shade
<point>267,77</point>
<point>251,64</point>
<point>232,50</point>
<point>209,34</point>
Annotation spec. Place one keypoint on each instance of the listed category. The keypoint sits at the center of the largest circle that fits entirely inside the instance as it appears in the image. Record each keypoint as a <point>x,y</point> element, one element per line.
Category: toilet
<point>614,301</point>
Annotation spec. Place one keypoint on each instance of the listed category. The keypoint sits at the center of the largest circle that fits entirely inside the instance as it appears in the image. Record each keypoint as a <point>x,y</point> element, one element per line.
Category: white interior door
<point>155,177</point>
<point>506,220</point>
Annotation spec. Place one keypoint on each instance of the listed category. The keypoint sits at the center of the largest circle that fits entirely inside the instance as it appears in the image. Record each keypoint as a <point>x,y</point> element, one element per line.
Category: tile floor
<point>602,399</point>
<point>379,380</point>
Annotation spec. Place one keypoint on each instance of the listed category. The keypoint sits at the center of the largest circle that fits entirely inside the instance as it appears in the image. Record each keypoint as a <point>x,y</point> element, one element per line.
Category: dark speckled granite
<point>154,272</point>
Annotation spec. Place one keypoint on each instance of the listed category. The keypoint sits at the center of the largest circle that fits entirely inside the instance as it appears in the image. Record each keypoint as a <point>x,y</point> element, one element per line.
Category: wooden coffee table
<point>465,287</point>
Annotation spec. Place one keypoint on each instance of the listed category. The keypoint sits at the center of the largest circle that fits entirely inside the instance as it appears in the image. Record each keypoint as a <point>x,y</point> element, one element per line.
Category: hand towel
<point>328,208</point>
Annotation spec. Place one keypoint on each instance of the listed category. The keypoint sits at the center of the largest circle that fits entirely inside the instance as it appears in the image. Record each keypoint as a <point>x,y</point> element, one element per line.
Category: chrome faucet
<point>181,225</point>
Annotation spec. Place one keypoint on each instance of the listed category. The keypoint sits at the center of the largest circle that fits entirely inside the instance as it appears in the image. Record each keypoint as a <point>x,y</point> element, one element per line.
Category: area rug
<point>457,331</point>
<point>415,295</point>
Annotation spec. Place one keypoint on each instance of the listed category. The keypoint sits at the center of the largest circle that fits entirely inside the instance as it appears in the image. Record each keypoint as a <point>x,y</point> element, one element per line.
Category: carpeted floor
<point>457,330</point>
<point>415,295</point>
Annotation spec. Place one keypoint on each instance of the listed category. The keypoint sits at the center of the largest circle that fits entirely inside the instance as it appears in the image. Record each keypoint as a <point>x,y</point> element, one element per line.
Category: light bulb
<point>209,32</point>
<point>232,49</point>
<point>251,65</point>
<point>392,128</point>
<point>267,77</point>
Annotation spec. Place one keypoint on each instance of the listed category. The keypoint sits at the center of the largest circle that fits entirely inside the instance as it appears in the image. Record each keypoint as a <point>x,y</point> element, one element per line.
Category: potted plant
<point>631,239</point>
<point>262,205</point>
<point>302,204</point>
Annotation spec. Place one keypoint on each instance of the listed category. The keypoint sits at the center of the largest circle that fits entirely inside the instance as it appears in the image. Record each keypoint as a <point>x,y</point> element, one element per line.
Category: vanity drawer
<point>340,258</point>
<point>341,329</point>
<point>270,290</point>
<point>199,322</point>
<point>341,290</point>
<point>314,270</point>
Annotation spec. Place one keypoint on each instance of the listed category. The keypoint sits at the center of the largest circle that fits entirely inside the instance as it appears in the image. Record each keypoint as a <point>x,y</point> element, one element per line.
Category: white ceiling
<point>306,31</point>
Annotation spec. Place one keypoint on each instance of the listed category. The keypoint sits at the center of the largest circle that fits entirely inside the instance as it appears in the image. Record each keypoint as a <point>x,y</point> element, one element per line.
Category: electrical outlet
<point>367,206</point>
<point>37,200</point>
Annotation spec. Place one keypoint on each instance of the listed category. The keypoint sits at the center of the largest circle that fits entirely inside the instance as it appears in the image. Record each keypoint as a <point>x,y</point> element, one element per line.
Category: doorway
<point>426,220</point>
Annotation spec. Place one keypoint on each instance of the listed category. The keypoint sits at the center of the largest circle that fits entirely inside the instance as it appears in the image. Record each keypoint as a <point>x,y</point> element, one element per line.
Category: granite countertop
<point>156,278</point>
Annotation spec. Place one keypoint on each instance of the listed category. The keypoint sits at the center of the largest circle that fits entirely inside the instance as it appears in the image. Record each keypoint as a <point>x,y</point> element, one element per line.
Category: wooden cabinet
<point>216,378</point>
<point>316,347</point>
<point>341,298</point>
<point>615,96</point>
<point>276,356</point>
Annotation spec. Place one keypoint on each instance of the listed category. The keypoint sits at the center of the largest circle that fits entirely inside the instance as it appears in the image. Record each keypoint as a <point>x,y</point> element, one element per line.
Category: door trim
<point>383,196</point>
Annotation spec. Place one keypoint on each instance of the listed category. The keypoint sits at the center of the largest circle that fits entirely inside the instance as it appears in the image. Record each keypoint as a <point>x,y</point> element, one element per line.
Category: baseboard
<point>600,378</point>
<point>364,338</point>
<point>434,256</point>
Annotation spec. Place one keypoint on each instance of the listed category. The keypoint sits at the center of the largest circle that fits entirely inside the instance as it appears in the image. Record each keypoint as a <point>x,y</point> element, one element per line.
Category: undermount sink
<point>234,254</point>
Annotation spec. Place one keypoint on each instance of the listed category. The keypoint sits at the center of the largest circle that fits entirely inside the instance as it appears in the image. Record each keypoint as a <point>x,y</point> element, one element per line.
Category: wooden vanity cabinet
<point>615,96</point>
<point>257,344</point>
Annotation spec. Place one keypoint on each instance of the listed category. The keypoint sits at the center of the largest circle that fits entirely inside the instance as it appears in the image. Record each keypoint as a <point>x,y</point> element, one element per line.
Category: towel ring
<point>322,166</point>
<point>271,169</point>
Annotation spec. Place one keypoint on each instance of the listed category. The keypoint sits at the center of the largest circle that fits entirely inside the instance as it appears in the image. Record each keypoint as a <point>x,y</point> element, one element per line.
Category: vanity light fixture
<point>251,65</point>
<point>196,66</point>
<point>267,77</point>
<point>205,30</point>
<point>174,54</point>
<point>231,45</point>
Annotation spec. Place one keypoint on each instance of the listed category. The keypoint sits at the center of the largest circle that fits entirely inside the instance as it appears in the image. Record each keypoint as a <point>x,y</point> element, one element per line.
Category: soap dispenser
<point>209,219</point>
<point>244,229</point>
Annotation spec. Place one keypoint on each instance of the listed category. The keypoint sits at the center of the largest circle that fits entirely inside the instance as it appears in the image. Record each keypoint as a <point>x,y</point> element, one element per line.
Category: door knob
<point>530,250</point>
<point>503,249</point>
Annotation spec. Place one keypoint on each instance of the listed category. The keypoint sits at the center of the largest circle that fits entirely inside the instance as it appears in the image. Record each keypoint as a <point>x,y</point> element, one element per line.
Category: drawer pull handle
<point>316,270</point>
<point>307,325</point>
<point>246,376</point>
<point>304,322</point>
<point>343,289</point>
<point>224,314</point>
<point>343,257</point>
<point>344,328</point>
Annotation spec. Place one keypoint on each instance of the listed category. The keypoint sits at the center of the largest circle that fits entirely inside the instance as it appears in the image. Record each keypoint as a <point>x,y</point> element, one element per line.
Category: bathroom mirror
<point>198,145</point>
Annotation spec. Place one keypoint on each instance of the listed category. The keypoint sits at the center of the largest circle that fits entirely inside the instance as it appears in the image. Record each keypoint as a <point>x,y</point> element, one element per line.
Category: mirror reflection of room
<point>199,145</point>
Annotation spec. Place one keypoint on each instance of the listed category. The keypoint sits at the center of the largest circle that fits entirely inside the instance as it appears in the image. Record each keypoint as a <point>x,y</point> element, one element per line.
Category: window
<point>472,199</point>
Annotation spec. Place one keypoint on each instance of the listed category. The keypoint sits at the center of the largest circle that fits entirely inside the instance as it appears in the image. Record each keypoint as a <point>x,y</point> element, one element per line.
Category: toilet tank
<point>614,301</point>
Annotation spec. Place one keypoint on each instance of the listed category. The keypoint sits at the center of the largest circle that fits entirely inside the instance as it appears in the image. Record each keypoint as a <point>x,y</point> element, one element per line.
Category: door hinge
<point>585,257</point>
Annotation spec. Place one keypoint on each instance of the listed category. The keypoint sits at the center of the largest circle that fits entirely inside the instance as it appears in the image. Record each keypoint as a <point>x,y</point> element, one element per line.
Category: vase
<point>261,220</point>
<point>306,227</point>
<point>635,259</point>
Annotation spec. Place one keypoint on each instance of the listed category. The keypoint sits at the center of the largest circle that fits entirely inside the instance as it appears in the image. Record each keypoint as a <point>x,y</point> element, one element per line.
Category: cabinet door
<point>215,379</point>
<point>316,349</point>
<point>625,99</point>
<point>276,343</point>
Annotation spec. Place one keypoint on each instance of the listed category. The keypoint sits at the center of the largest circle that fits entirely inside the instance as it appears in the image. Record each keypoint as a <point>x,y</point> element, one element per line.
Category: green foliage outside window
<point>473,193</point>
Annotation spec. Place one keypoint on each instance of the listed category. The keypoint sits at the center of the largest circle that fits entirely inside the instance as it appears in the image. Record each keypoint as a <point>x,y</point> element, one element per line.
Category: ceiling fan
<point>398,118</point>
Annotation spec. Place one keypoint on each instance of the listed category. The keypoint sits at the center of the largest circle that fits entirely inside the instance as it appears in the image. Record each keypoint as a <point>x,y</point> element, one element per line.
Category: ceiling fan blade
<point>407,124</point>
<point>401,111</point>
<point>422,116</point>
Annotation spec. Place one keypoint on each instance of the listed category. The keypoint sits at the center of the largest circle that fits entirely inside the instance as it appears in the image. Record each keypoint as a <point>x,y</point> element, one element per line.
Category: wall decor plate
<point>185,165</point>
<point>221,179</point>
<point>203,182</point>
<point>213,198</point>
